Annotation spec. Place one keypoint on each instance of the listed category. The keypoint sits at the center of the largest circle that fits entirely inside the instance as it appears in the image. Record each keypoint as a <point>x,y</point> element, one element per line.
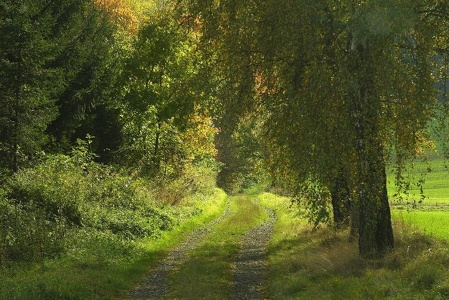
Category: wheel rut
<point>250,267</point>
<point>155,286</point>
<point>248,270</point>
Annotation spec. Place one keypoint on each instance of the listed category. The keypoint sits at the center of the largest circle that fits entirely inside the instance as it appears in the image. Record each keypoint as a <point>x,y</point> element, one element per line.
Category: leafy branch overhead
<point>340,88</point>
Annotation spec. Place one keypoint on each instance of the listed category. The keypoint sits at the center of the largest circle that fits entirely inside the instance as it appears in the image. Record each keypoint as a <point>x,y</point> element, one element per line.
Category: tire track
<point>250,267</point>
<point>155,286</point>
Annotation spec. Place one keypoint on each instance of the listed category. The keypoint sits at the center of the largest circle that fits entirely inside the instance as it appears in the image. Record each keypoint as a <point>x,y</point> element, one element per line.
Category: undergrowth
<point>70,215</point>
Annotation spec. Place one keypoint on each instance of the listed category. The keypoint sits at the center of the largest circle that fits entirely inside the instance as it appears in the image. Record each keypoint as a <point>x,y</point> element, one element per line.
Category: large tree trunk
<point>375,230</point>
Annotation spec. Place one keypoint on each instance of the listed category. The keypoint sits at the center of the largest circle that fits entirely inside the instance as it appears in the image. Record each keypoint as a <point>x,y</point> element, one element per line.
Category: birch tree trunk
<point>375,230</point>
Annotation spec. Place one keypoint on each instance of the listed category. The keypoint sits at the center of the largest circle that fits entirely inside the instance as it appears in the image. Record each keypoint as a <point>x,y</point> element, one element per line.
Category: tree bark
<point>156,157</point>
<point>341,199</point>
<point>375,230</point>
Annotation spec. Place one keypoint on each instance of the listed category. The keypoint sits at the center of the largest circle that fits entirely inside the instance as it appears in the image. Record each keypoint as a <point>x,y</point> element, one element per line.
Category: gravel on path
<point>155,286</point>
<point>250,267</point>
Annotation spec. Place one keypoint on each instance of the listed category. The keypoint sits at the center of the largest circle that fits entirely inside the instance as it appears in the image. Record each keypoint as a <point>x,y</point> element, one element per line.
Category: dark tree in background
<point>56,70</point>
<point>29,83</point>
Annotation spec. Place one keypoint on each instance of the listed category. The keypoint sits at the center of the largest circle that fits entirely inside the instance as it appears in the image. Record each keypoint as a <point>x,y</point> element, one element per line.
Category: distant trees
<point>89,58</point>
<point>160,98</point>
<point>124,73</point>
<point>28,82</point>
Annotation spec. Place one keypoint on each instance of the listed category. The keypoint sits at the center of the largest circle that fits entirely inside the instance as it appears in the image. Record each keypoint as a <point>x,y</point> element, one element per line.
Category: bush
<point>26,235</point>
<point>65,198</point>
<point>63,192</point>
<point>129,224</point>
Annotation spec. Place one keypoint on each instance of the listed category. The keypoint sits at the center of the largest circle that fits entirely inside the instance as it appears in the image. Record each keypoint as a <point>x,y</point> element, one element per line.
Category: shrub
<point>25,234</point>
<point>70,197</point>
<point>63,192</point>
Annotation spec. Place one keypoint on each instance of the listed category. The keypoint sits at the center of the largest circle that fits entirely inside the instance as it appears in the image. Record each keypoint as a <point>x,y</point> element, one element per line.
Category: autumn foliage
<point>122,13</point>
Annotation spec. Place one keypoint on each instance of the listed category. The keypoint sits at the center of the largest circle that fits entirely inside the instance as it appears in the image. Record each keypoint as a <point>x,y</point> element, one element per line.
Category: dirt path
<point>250,267</point>
<point>155,286</point>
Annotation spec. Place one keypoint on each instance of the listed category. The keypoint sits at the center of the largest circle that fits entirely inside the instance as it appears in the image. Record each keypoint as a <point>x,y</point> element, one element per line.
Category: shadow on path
<point>250,267</point>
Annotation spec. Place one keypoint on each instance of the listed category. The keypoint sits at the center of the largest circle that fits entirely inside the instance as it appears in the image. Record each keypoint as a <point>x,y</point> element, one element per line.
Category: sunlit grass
<point>106,276</point>
<point>323,264</point>
<point>435,174</point>
<point>432,223</point>
<point>208,274</point>
<point>431,215</point>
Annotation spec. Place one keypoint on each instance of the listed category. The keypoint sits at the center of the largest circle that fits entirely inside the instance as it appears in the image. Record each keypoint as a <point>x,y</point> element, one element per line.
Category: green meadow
<point>426,210</point>
<point>321,263</point>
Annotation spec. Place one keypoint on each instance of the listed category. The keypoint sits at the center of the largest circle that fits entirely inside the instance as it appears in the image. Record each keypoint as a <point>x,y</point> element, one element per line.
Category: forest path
<point>156,286</point>
<point>223,260</point>
<point>250,266</point>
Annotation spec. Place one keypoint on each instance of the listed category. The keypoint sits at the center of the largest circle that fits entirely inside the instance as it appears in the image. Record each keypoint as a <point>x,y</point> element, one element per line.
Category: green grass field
<point>431,215</point>
<point>432,223</point>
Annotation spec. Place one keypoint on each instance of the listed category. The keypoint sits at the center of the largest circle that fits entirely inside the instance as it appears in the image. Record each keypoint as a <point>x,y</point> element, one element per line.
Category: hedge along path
<point>156,284</point>
<point>250,267</point>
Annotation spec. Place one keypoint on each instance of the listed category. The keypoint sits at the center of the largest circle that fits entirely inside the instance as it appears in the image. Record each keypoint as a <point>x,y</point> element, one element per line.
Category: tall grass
<point>321,263</point>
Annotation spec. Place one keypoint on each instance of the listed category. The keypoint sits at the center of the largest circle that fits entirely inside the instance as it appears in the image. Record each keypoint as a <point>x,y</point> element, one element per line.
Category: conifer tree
<point>28,84</point>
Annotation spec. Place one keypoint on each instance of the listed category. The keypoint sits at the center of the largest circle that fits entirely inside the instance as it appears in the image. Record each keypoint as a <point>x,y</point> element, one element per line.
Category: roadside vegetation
<point>107,154</point>
<point>123,123</point>
<point>321,263</point>
<point>309,262</point>
<point>76,229</point>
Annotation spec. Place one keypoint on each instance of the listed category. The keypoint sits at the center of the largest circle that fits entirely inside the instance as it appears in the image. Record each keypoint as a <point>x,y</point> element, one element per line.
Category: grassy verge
<point>106,269</point>
<point>208,274</point>
<point>323,264</point>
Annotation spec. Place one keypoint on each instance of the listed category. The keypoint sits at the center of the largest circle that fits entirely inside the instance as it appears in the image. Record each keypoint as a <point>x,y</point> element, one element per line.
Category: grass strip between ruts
<point>208,272</point>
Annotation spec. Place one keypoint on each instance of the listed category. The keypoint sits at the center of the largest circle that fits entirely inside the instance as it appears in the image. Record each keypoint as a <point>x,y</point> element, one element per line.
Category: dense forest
<point>114,112</point>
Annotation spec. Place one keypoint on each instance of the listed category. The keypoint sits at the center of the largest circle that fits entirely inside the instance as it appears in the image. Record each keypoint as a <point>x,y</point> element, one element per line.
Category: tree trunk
<point>375,230</point>
<point>341,199</point>
<point>156,156</point>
